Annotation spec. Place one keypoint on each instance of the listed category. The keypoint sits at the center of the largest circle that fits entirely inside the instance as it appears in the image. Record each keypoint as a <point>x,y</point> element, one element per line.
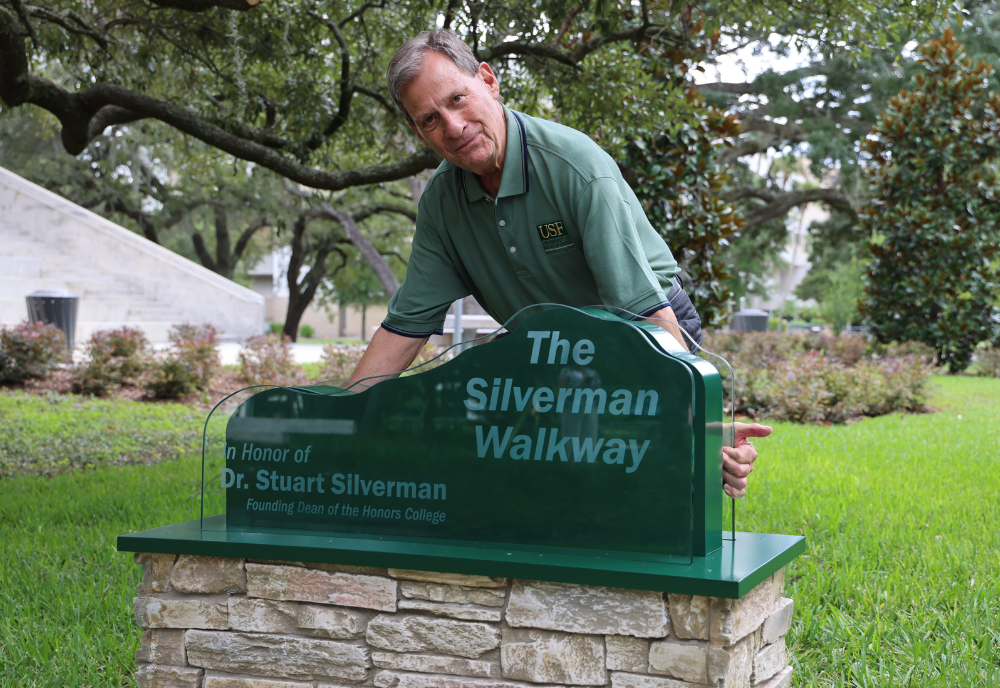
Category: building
<point>122,278</point>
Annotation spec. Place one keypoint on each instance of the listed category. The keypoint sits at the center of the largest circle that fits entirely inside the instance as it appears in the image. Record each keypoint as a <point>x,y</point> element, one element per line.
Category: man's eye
<point>456,99</point>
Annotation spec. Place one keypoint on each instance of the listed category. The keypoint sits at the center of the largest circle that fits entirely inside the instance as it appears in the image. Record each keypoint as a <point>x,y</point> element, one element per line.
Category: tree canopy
<point>298,88</point>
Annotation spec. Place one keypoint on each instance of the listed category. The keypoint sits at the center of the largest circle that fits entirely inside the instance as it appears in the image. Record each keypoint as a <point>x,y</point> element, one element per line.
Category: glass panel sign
<point>577,430</point>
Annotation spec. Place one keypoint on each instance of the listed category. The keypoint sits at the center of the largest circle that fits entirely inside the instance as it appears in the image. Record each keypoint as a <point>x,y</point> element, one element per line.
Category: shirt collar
<point>515,165</point>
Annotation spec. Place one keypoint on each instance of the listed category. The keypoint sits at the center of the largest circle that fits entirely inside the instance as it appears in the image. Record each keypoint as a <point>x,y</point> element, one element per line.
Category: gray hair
<point>406,64</point>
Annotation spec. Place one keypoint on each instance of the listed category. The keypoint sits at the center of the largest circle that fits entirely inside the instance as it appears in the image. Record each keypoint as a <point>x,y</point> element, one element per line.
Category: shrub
<point>906,379</point>
<point>267,359</point>
<point>924,352</point>
<point>846,348</point>
<point>171,378</point>
<point>114,358</point>
<point>307,331</point>
<point>340,360</point>
<point>822,377</point>
<point>988,362</point>
<point>275,328</point>
<point>191,364</point>
<point>30,350</point>
<point>432,356</point>
<point>194,346</point>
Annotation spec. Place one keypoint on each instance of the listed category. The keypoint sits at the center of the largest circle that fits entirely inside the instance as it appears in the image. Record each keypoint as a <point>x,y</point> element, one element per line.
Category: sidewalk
<point>229,353</point>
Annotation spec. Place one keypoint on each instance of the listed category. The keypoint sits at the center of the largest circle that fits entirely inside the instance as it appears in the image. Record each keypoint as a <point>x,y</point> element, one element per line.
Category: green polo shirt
<point>565,228</point>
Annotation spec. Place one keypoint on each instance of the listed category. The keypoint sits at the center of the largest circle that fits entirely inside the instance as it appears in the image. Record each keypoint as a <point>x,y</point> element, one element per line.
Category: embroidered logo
<point>555,238</point>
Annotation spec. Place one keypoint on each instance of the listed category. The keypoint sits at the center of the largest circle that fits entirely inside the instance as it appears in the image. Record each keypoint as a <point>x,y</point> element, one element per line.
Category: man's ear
<point>490,79</point>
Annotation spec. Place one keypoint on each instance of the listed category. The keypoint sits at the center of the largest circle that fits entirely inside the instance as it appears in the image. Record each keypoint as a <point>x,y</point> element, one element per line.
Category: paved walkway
<point>229,353</point>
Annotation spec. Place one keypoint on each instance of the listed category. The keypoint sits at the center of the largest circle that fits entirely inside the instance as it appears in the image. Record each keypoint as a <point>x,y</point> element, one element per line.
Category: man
<point>522,211</point>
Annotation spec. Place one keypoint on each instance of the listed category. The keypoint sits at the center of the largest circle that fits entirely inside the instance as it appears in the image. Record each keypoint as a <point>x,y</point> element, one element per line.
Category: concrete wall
<point>328,325</point>
<point>47,242</point>
<point>211,622</point>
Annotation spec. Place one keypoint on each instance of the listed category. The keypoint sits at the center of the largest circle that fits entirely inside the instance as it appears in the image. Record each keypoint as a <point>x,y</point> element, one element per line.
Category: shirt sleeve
<point>432,284</point>
<point>614,250</point>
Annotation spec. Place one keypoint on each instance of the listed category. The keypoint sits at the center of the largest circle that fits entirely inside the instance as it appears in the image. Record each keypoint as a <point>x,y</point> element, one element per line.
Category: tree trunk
<point>296,307</point>
<point>342,330</point>
<point>371,255</point>
<point>364,314</point>
<point>223,250</point>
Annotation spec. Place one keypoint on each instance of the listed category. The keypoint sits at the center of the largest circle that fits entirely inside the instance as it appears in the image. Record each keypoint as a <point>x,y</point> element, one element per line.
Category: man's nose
<point>454,125</point>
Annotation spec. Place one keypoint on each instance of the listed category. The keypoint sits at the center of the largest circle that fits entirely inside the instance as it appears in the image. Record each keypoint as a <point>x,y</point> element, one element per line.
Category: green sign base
<point>729,572</point>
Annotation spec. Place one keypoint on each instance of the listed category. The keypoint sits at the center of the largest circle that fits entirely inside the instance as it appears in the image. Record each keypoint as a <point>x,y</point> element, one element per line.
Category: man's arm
<point>666,319</point>
<point>387,354</point>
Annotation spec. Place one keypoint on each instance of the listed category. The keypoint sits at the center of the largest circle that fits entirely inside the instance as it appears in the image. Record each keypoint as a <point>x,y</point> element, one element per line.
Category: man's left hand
<point>737,461</point>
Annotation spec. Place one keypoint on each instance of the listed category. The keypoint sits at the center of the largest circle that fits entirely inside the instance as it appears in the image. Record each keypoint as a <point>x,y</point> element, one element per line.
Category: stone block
<point>455,611</point>
<point>332,622</point>
<point>255,615</point>
<point>732,664</point>
<point>587,609</point>
<point>309,585</point>
<point>411,633</point>
<point>161,676</point>
<point>213,680</point>
<point>391,679</point>
<point>783,679</point>
<point>687,661</point>
<point>155,572</point>
<point>436,664</point>
<point>734,619</point>
<point>623,680</point>
<point>689,616</point>
<point>161,646</point>
<point>778,623</point>
<point>277,656</point>
<point>769,661</point>
<point>208,575</point>
<point>449,578</point>
<point>625,653</point>
<point>553,657</point>
<point>455,594</point>
<point>344,568</point>
<point>778,584</point>
<point>174,611</point>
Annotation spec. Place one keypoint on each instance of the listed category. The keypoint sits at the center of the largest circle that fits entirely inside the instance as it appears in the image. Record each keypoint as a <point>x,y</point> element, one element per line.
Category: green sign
<point>578,430</point>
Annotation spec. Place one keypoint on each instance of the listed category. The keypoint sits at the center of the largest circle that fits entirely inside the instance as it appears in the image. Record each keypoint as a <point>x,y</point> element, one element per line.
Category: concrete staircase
<point>46,242</point>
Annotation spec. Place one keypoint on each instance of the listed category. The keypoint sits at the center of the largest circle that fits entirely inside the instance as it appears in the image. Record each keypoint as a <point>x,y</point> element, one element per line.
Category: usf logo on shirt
<point>555,238</point>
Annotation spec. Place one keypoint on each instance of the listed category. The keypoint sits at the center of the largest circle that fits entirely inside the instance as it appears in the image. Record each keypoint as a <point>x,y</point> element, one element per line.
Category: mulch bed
<point>60,381</point>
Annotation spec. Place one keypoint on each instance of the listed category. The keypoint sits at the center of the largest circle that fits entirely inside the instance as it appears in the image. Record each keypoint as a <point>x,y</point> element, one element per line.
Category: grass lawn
<point>900,585</point>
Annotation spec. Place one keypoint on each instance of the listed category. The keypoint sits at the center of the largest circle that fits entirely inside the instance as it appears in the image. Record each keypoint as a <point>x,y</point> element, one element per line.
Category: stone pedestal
<point>213,622</point>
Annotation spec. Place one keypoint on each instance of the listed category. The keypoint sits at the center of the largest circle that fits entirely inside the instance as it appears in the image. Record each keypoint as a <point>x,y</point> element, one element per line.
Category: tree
<point>297,87</point>
<point>324,240</point>
<point>935,218</point>
<point>677,178</point>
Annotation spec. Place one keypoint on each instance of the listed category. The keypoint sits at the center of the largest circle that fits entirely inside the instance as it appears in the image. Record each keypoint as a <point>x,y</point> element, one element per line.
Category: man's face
<point>457,115</point>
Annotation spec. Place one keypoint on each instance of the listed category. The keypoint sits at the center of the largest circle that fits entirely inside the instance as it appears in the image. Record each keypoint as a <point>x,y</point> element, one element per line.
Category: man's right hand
<point>387,355</point>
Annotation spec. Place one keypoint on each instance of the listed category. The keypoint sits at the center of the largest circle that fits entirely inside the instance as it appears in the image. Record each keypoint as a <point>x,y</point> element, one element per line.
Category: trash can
<point>56,307</point>
<point>750,320</point>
